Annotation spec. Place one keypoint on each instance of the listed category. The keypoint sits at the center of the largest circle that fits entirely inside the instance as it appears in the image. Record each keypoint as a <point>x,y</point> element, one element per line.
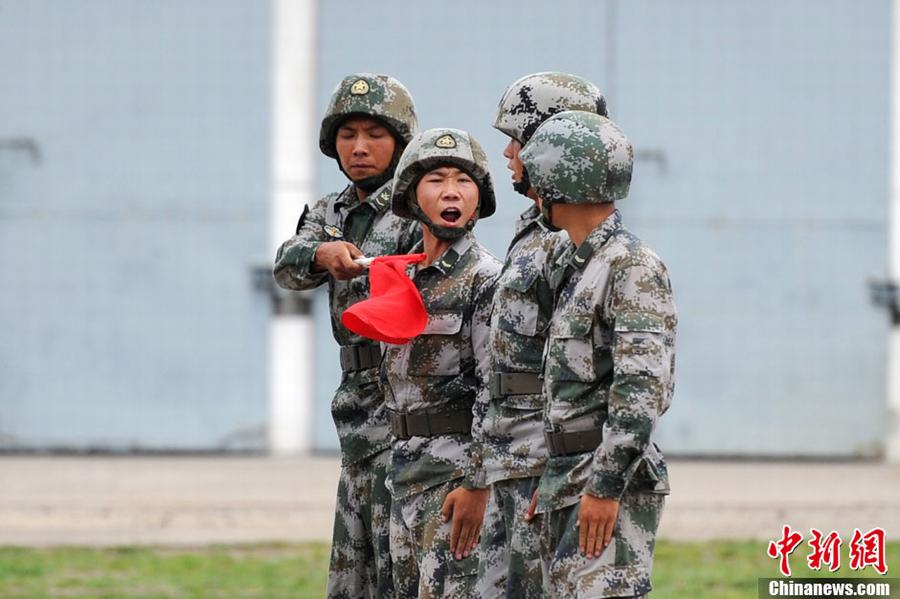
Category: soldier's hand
<point>337,258</point>
<point>596,519</point>
<point>529,513</point>
<point>466,509</point>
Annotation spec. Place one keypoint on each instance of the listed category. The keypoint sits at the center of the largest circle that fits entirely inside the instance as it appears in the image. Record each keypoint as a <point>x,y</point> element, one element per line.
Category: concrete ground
<point>200,500</point>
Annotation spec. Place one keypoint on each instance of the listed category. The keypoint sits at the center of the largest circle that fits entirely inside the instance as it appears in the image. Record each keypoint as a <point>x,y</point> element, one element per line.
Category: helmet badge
<point>445,141</point>
<point>360,88</point>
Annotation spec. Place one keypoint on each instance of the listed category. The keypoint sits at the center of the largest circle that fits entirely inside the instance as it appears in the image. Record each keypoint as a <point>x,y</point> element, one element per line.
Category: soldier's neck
<point>579,220</point>
<point>434,247</point>
<point>361,194</point>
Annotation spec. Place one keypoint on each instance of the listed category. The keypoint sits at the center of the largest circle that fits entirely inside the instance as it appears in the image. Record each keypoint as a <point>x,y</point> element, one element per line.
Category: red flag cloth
<point>394,312</point>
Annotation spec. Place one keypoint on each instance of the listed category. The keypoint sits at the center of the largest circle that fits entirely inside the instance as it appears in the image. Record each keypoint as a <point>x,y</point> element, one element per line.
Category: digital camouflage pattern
<point>445,368</point>
<point>360,552</point>
<point>371,94</point>
<point>362,520</point>
<point>533,99</point>
<point>424,567</point>
<point>623,568</point>
<point>609,365</point>
<point>514,444</point>
<point>359,415</point>
<point>579,158</point>
<point>429,150</point>
<point>510,561</point>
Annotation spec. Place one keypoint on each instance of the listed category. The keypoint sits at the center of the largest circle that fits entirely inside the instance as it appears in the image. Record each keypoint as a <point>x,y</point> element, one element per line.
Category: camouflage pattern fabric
<point>360,550</point>
<point>357,408</point>
<point>523,303</point>
<point>368,94</point>
<point>623,568</point>
<point>609,365</point>
<point>533,99</point>
<point>510,562</point>
<point>610,362</point>
<point>446,368</point>
<point>361,521</point>
<point>424,567</point>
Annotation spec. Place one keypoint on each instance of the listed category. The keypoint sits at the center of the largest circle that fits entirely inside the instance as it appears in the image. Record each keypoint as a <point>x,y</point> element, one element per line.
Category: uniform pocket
<point>570,354</point>
<point>436,351</point>
<point>639,345</point>
<point>518,310</point>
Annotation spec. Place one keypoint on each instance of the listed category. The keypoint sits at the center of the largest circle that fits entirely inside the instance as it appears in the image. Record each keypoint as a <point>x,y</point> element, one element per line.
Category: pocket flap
<point>443,323</point>
<point>572,325</point>
<point>640,322</point>
<point>524,281</point>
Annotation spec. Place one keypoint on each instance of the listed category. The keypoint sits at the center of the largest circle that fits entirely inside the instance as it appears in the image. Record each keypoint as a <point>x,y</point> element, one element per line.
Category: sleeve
<point>295,256</point>
<point>476,477</point>
<point>641,312</point>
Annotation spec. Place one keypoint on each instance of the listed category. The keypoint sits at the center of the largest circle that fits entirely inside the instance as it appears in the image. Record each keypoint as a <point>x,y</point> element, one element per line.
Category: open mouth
<point>451,215</point>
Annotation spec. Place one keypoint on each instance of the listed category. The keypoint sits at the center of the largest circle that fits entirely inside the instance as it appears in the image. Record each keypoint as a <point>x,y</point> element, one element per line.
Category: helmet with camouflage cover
<point>432,149</point>
<point>381,97</point>
<point>534,98</point>
<point>578,157</point>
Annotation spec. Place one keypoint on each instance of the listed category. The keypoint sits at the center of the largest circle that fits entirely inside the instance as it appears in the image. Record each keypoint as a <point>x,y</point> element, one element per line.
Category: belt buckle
<point>398,423</point>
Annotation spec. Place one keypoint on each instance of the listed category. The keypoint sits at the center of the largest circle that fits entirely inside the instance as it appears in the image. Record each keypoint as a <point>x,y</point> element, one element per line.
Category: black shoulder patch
<point>302,218</point>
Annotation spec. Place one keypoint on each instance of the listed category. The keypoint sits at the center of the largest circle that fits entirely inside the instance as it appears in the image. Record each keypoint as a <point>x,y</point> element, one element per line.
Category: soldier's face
<point>511,153</point>
<point>448,196</point>
<point>364,146</point>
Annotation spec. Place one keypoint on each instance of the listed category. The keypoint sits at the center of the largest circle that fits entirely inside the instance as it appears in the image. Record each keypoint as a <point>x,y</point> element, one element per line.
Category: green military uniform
<point>515,451</point>
<point>609,365</point>
<point>360,563</point>
<point>437,384</point>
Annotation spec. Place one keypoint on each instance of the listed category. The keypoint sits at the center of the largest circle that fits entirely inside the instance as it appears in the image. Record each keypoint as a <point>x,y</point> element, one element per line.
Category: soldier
<point>515,452</point>
<point>368,123</point>
<point>609,365</point>
<point>437,385</point>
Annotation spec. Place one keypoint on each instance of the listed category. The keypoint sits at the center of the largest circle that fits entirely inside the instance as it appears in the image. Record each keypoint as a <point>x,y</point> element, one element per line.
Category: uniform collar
<point>380,199</point>
<point>595,240</point>
<point>445,263</point>
<point>530,217</point>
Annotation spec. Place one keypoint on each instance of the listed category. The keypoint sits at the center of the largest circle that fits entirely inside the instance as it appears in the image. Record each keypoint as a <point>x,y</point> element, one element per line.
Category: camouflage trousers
<point>360,546</point>
<point>622,570</point>
<point>510,564</point>
<point>420,549</point>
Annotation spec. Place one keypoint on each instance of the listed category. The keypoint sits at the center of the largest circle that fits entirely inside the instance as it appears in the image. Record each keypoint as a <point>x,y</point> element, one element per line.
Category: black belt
<point>360,357</point>
<point>404,426</point>
<point>515,383</point>
<point>561,444</point>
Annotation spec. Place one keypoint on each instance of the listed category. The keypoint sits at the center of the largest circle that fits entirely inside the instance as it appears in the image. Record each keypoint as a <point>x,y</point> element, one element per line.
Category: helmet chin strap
<point>546,219</point>
<point>523,185</point>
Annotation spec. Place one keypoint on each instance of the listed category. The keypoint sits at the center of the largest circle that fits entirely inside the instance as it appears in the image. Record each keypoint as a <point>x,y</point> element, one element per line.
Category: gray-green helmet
<point>429,150</point>
<point>578,157</point>
<point>533,99</point>
<point>378,96</point>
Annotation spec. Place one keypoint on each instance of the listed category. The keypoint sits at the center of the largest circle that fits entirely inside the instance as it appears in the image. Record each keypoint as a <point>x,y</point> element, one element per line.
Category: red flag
<point>394,312</point>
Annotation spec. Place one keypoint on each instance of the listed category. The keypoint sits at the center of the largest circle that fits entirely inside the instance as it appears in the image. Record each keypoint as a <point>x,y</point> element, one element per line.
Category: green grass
<point>720,570</point>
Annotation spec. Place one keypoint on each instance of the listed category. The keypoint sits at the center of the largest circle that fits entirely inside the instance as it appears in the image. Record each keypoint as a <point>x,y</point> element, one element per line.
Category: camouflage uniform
<point>360,558</point>
<point>443,371</point>
<point>515,451</point>
<point>609,366</point>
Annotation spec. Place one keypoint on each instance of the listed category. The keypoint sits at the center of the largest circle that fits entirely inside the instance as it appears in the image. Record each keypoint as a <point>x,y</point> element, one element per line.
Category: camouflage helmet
<point>533,99</point>
<point>378,96</point>
<point>578,157</point>
<point>429,150</point>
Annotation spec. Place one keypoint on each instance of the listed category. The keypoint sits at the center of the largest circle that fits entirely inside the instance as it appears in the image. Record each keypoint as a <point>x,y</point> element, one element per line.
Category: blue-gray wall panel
<point>129,307</point>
